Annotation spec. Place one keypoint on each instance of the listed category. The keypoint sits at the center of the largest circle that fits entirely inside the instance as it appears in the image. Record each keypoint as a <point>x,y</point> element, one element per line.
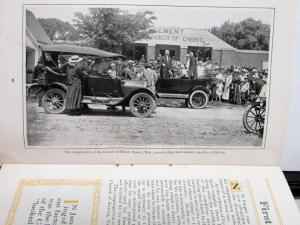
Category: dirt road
<point>217,125</point>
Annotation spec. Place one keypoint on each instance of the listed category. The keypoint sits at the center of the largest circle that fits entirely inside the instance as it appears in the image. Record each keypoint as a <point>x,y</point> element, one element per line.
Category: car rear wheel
<point>54,101</point>
<point>198,99</point>
<point>141,105</point>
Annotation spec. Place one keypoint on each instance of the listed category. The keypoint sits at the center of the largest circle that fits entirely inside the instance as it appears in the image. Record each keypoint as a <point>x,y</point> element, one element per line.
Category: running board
<point>101,100</point>
<point>170,95</point>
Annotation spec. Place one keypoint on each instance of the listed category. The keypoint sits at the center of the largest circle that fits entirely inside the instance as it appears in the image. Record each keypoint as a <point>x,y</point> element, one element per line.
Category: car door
<point>104,86</point>
<point>189,84</point>
<point>169,86</point>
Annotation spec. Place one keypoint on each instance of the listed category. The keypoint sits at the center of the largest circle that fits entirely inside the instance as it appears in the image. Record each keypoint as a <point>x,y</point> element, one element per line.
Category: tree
<point>112,29</point>
<point>248,34</point>
<point>59,30</point>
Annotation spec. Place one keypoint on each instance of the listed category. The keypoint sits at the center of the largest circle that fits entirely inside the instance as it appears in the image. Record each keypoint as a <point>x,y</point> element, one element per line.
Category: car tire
<point>54,101</point>
<point>142,105</point>
<point>254,118</point>
<point>198,99</point>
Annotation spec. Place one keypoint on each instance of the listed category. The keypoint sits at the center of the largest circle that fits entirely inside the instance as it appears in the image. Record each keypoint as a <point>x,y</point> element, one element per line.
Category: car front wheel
<point>198,99</point>
<point>142,105</point>
<point>54,101</point>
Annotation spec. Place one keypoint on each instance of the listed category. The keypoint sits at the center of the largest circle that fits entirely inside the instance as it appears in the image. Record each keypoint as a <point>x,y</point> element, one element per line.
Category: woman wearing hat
<point>236,85</point>
<point>75,72</point>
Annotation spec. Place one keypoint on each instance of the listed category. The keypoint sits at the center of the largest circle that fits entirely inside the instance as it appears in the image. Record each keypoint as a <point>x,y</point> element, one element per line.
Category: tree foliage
<point>59,30</point>
<point>248,34</point>
<point>111,28</point>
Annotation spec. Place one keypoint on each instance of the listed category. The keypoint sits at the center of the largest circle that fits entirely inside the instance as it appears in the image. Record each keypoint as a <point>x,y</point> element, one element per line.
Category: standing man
<point>192,71</point>
<point>150,77</point>
<point>40,72</point>
<point>128,73</point>
<point>142,60</point>
<point>166,65</point>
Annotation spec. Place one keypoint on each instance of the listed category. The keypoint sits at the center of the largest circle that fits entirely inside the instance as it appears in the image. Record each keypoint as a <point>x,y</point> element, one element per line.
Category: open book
<point>180,107</point>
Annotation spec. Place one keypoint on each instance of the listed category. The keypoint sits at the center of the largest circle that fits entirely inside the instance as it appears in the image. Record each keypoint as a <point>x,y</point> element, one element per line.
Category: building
<point>180,41</point>
<point>35,35</point>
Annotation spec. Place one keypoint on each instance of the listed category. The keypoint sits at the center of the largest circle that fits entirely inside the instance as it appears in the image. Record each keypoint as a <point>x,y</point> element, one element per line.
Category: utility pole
<point>221,56</point>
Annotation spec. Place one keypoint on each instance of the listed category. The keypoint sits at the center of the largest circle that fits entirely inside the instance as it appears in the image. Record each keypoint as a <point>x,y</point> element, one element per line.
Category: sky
<point>190,17</point>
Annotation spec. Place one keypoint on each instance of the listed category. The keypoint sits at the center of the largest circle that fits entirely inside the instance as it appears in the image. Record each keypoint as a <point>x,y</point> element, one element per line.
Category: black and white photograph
<point>146,76</point>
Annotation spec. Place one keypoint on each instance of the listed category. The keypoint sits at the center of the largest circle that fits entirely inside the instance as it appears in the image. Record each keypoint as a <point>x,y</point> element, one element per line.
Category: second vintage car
<point>196,92</point>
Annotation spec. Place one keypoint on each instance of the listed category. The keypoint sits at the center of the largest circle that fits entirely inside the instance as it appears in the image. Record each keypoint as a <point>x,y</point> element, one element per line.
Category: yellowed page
<point>145,194</point>
<point>173,135</point>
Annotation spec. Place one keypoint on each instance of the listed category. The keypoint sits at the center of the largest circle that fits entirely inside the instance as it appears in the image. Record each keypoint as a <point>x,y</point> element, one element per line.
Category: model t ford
<point>97,87</point>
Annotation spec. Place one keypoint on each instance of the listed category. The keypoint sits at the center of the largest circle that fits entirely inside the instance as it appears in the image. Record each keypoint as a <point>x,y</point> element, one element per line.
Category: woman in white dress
<point>220,79</point>
<point>228,81</point>
<point>200,69</point>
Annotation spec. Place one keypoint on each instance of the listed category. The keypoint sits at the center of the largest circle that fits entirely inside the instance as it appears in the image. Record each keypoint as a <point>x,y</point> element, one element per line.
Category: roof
<point>186,37</point>
<point>252,51</point>
<point>68,48</point>
<point>36,29</point>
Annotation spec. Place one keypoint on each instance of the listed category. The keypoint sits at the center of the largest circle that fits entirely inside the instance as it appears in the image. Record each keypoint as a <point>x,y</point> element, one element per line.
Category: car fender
<point>199,87</point>
<point>58,85</point>
<point>139,90</point>
<point>31,86</point>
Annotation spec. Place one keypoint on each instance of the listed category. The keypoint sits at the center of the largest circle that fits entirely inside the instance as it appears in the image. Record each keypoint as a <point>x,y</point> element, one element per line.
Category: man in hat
<point>166,65</point>
<point>150,77</point>
<point>192,66</point>
<point>128,73</point>
<point>40,77</point>
<point>244,91</point>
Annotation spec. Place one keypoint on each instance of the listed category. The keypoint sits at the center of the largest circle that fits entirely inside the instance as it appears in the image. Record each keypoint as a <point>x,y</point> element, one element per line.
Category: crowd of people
<point>233,84</point>
<point>238,85</point>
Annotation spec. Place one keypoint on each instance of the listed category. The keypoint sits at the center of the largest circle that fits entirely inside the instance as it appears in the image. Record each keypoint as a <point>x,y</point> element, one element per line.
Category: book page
<point>37,194</point>
<point>145,83</point>
<point>291,155</point>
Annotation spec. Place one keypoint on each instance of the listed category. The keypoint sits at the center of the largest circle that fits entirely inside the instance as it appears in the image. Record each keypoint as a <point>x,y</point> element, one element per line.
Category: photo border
<point>150,147</point>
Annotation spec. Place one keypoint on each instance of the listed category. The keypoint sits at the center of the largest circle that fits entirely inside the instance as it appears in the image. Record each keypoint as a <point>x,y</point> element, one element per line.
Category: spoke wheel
<point>54,101</point>
<point>254,118</point>
<point>142,105</point>
<point>198,99</point>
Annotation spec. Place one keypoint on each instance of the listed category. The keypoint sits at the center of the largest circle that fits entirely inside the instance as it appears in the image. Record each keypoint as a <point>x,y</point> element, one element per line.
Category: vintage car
<point>97,87</point>
<point>196,92</point>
